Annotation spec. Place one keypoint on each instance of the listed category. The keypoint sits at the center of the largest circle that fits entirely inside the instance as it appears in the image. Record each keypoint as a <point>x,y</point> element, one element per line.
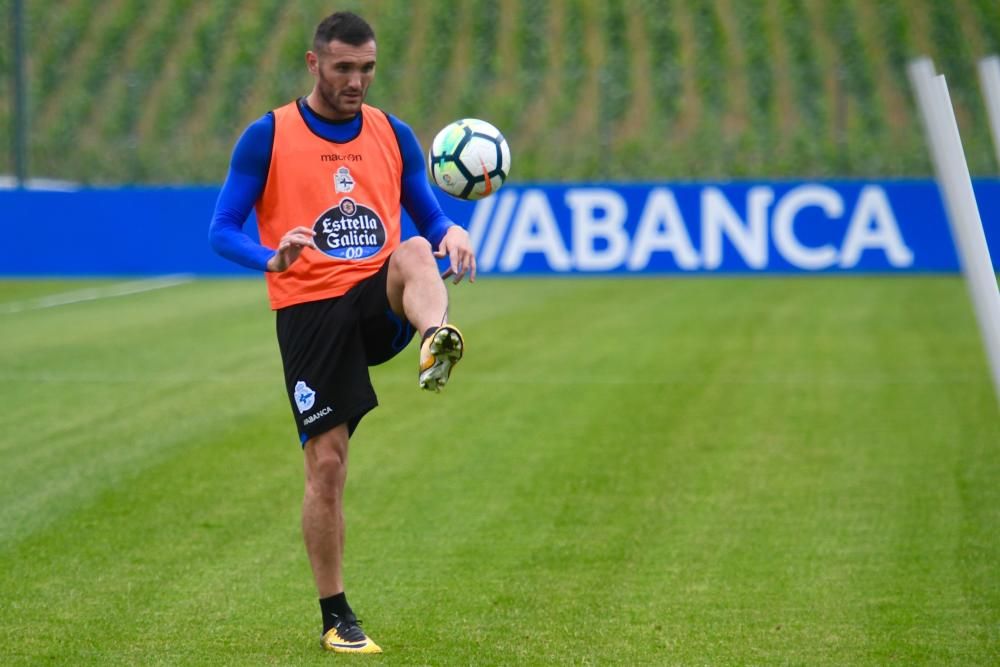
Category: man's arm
<point>447,238</point>
<point>244,185</point>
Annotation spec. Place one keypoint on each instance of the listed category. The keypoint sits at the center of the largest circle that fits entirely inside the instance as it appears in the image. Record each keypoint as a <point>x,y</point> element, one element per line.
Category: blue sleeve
<point>417,197</point>
<point>244,185</point>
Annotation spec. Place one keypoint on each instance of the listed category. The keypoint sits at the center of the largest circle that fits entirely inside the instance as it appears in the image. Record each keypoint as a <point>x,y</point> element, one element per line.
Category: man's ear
<point>312,62</point>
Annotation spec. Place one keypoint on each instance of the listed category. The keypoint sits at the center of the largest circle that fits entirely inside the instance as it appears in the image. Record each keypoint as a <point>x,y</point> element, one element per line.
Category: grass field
<point>647,471</point>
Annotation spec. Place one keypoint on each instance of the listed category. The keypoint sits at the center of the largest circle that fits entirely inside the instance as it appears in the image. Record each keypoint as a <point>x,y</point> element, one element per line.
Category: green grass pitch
<point>622,471</point>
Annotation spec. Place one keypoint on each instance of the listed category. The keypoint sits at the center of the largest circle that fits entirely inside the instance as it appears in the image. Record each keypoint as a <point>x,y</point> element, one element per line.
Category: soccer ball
<point>469,159</point>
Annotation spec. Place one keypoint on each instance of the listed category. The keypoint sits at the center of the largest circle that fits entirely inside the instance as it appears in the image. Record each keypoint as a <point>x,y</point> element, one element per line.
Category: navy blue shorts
<point>326,349</point>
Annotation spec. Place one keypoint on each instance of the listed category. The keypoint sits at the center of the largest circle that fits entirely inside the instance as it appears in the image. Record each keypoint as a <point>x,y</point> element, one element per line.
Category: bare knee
<point>413,255</point>
<point>414,286</point>
<point>326,466</point>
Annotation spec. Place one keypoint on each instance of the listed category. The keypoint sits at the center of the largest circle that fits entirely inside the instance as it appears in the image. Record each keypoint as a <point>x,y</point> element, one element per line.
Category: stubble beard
<point>330,98</point>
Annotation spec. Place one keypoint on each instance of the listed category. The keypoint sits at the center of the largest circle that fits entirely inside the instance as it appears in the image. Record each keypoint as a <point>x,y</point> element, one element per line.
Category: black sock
<point>429,332</point>
<point>332,607</point>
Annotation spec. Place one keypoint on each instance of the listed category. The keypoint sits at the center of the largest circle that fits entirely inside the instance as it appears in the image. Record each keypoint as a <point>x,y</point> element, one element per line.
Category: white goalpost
<point>989,80</point>
<point>955,184</point>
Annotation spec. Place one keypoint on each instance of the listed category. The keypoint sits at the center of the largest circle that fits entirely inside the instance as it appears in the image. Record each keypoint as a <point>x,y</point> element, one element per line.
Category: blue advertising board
<point>657,228</point>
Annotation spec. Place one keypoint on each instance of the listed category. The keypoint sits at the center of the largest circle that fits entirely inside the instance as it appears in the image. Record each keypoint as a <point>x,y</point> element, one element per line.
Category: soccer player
<point>327,174</point>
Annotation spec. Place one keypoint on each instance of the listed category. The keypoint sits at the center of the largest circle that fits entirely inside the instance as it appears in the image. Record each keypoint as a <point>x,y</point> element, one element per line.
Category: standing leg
<point>322,508</point>
<point>323,529</point>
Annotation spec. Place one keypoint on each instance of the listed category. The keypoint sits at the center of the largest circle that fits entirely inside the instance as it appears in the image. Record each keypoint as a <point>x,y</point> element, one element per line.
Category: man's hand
<point>290,247</point>
<point>458,249</point>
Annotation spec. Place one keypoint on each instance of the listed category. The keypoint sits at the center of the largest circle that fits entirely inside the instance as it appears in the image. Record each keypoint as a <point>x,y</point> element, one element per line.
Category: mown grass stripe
<point>725,519</point>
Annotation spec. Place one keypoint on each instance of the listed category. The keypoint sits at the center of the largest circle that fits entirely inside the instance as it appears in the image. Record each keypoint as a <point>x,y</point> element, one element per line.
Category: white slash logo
<point>304,396</point>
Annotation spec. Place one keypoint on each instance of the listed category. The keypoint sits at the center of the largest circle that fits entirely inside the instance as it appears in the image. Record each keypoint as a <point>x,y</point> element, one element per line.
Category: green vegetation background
<point>138,91</point>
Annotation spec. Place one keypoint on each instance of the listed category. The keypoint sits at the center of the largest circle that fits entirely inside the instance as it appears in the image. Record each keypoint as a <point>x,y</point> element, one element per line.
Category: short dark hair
<point>345,27</point>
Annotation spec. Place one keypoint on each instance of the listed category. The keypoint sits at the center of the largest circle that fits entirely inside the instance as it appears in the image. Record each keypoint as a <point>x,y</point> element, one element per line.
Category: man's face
<point>343,73</point>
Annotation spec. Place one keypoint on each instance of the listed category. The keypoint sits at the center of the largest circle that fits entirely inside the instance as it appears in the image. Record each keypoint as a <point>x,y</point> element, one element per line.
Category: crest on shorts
<point>342,180</point>
<point>304,396</point>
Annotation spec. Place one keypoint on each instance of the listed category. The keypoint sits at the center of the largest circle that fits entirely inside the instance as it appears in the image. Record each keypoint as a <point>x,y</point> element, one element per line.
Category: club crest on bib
<point>342,180</point>
<point>349,230</point>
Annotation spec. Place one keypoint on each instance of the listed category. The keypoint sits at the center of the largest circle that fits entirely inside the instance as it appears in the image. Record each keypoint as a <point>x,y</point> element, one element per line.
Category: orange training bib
<point>347,192</point>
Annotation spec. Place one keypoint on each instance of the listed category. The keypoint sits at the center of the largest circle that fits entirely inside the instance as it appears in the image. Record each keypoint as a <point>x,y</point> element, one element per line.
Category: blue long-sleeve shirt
<point>248,174</point>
